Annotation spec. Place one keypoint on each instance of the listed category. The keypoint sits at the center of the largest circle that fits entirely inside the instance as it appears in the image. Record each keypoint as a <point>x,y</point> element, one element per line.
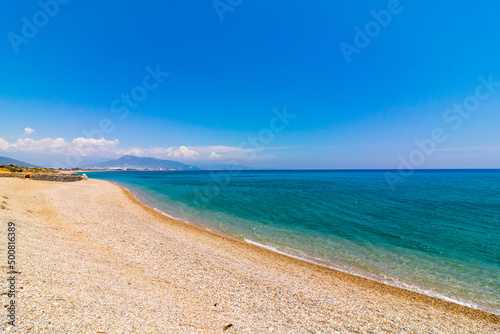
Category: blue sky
<point>229,78</point>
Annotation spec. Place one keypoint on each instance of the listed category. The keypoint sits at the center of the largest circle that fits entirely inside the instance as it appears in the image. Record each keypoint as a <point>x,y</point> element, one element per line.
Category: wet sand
<point>95,260</point>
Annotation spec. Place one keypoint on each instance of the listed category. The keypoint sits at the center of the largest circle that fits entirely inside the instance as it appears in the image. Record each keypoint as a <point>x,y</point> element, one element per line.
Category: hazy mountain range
<point>134,162</point>
<point>9,161</point>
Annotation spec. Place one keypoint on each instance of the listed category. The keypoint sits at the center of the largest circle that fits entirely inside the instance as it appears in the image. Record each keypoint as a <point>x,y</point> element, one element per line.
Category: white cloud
<point>80,146</point>
<point>109,149</point>
<point>190,153</point>
<point>46,145</point>
<point>213,156</point>
<point>96,147</point>
<point>28,131</point>
<point>183,152</point>
<point>4,145</point>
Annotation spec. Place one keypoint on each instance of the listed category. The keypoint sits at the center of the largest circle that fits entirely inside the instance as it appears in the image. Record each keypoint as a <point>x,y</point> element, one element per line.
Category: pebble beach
<point>93,259</point>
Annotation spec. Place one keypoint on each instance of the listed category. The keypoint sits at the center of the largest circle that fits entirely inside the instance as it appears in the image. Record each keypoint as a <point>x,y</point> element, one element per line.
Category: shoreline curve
<point>385,288</point>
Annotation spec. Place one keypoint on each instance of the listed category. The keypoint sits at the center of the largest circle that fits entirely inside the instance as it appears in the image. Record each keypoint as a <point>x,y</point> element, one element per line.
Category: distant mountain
<point>9,161</point>
<point>133,162</point>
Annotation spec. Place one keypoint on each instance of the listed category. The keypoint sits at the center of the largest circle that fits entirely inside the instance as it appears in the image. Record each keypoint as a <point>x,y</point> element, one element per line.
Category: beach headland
<point>94,259</point>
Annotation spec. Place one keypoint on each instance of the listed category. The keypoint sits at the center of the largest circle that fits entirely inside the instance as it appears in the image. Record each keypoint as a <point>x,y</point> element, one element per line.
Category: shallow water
<point>438,232</point>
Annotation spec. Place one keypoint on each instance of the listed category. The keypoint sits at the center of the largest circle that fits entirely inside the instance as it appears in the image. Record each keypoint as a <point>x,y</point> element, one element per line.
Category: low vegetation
<point>25,170</point>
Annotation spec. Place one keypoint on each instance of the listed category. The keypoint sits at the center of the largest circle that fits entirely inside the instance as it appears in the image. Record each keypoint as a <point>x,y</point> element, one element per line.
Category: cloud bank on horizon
<point>102,148</point>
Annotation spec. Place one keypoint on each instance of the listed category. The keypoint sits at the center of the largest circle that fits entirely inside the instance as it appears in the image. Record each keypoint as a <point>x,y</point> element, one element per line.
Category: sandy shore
<point>95,260</point>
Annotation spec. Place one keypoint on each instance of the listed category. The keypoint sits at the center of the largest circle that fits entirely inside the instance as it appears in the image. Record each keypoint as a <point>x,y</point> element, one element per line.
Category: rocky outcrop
<point>21,176</point>
<point>46,177</point>
<point>56,177</point>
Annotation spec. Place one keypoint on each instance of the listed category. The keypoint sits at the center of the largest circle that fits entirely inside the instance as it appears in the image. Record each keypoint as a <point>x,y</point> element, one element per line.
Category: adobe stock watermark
<point>251,145</point>
<point>223,6</point>
<point>30,27</point>
<point>363,37</point>
<point>454,118</point>
<point>122,107</point>
<point>12,273</point>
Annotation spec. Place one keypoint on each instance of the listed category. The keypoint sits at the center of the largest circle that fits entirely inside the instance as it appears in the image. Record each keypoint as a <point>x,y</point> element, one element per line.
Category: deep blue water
<point>437,232</point>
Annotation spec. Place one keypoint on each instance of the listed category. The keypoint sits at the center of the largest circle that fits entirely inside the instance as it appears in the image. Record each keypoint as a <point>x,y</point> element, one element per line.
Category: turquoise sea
<point>437,233</point>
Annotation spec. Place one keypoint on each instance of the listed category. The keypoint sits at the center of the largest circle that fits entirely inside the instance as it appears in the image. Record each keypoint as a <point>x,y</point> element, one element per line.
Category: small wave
<point>274,249</point>
<point>173,217</point>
